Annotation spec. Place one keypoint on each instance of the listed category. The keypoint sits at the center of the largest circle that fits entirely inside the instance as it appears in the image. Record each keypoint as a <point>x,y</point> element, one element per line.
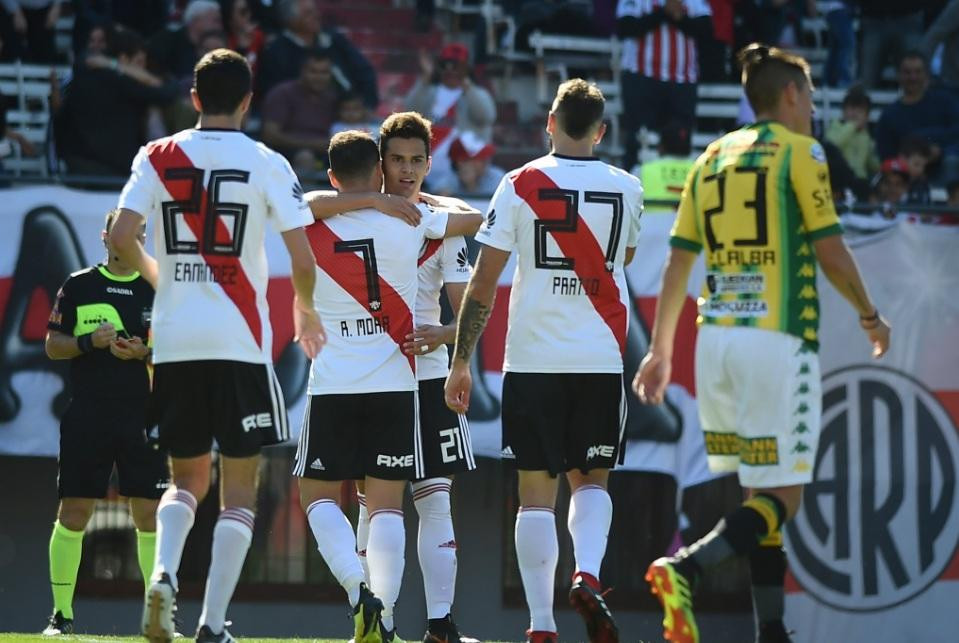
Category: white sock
<point>537,551</point>
<point>337,544</point>
<point>175,515</point>
<point>436,544</point>
<point>363,536</point>
<point>231,540</point>
<point>590,514</point>
<point>385,554</point>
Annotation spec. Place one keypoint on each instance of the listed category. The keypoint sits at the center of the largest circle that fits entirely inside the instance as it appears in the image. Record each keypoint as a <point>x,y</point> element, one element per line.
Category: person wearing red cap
<point>892,182</point>
<point>471,159</point>
<point>445,94</point>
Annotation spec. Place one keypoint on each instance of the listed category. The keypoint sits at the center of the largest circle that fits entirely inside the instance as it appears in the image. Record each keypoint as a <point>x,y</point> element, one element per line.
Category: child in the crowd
<point>892,183</point>
<point>352,114</point>
<point>851,134</point>
<point>917,154</point>
<point>473,172</point>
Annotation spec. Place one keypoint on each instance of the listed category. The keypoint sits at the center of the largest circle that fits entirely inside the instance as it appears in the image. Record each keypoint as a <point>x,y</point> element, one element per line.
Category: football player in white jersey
<point>363,416</point>
<point>447,449</point>
<point>211,193</point>
<point>573,222</point>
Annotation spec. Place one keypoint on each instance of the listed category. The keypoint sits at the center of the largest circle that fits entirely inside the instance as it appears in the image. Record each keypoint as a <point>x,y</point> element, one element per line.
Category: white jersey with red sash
<point>210,194</point>
<point>366,284</point>
<point>569,220</point>
<point>442,261</point>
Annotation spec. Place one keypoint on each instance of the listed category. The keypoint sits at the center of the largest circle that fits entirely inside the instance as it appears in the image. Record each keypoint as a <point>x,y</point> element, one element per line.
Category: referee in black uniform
<point>100,323</point>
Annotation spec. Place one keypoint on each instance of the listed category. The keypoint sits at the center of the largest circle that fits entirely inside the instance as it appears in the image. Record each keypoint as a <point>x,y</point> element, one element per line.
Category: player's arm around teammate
<point>99,322</point>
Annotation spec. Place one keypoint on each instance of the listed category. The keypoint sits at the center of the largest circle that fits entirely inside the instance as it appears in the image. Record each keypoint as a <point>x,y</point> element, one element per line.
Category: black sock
<point>737,534</point>
<point>767,566</point>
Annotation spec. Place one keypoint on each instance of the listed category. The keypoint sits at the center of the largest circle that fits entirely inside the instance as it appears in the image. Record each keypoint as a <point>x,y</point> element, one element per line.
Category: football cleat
<point>389,636</point>
<point>206,635</point>
<point>158,610</point>
<point>444,630</point>
<point>541,637</point>
<point>586,598</point>
<point>58,625</point>
<point>366,617</point>
<point>675,595</point>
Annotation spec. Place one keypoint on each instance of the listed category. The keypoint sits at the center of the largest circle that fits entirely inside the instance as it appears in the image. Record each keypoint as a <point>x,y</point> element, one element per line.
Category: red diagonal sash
<point>166,155</point>
<point>429,249</point>
<point>349,272</point>
<point>581,246</point>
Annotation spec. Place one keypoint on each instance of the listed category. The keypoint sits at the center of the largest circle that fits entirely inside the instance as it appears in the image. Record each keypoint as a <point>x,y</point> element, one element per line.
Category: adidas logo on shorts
<point>317,465</point>
<point>507,453</point>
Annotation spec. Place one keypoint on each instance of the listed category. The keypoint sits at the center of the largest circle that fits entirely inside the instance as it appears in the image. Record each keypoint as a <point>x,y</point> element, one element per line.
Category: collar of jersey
<point>575,158</point>
<point>112,277</point>
<point>218,129</point>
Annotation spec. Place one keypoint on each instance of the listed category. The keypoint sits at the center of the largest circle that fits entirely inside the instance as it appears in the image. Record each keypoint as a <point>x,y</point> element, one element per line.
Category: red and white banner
<point>873,553</point>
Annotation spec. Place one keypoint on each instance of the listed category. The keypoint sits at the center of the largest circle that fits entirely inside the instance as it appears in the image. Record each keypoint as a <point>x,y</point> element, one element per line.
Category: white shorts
<point>760,404</point>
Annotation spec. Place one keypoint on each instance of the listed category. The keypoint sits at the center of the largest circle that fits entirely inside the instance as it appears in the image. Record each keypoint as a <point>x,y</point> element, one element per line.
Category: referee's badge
<point>146,316</point>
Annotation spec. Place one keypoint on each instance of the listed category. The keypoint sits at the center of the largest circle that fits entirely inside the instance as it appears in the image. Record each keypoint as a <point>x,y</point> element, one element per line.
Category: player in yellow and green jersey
<point>758,203</point>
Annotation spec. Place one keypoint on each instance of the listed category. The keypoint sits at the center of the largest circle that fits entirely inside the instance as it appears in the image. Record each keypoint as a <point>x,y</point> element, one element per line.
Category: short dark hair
<point>353,155</point>
<point>914,54</point>
<point>316,53</point>
<point>674,139</point>
<point>122,41</point>
<point>857,96</point>
<point>578,107</point>
<point>405,125</point>
<point>766,73</point>
<point>222,80</point>
<point>913,144</point>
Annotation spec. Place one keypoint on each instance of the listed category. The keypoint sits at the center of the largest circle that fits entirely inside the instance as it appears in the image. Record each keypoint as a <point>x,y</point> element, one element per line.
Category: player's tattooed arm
<point>478,301</point>
<point>472,323</point>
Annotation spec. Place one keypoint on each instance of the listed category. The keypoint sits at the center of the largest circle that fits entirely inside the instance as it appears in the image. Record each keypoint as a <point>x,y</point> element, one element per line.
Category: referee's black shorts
<point>238,404</point>
<point>558,422</point>
<point>95,434</point>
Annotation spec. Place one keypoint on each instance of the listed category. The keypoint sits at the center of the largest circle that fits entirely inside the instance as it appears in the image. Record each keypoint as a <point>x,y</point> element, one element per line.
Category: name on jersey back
<point>366,326</point>
<point>202,272</point>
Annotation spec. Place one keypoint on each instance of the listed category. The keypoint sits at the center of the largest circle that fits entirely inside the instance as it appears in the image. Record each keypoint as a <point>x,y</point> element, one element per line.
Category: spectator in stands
<point>146,17</point>
<point>952,190</point>
<point>28,29</point>
<point>714,48</point>
<point>243,34</point>
<point>664,177</point>
<point>851,134</point>
<point>929,112</point>
<point>892,183</point>
<point>180,114</point>
<point>842,178</point>
<point>100,125</point>
<point>9,136</point>
<point>175,53</point>
<point>297,114</point>
<point>842,41</point>
<point>283,57</point>
<point>473,171</point>
<point>916,153</point>
<point>889,29</point>
<point>353,114</point>
<point>660,64</point>
<point>945,31</point>
<point>445,93</point>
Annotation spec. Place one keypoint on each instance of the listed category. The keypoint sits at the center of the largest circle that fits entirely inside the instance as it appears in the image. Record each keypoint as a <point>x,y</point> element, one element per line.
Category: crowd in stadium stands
<point>133,63</point>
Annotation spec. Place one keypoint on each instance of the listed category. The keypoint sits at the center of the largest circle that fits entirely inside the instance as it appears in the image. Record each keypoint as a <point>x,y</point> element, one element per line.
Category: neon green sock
<point>146,548</point>
<point>66,547</point>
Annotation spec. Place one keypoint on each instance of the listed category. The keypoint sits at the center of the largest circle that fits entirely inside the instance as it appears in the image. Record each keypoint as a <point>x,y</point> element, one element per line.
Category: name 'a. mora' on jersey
<point>569,220</point>
<point>210,194</point>
<point>365,293</point>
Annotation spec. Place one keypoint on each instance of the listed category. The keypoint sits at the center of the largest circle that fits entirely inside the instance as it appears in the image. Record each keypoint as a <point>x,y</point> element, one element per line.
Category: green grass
<point>89,638</point>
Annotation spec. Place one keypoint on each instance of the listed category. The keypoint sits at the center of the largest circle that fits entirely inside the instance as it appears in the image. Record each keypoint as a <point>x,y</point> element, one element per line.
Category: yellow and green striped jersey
<point>756,199</point>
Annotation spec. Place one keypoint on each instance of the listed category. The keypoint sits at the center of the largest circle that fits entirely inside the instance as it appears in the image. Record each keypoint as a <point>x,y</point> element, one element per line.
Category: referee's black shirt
<point>89,298</point>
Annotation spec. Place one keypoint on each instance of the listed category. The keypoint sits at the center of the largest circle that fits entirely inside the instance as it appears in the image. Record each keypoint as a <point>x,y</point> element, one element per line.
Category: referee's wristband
<point>85,343</point>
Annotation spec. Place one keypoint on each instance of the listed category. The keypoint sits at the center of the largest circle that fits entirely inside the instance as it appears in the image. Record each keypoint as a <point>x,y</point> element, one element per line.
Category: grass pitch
<point>89,638</point>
